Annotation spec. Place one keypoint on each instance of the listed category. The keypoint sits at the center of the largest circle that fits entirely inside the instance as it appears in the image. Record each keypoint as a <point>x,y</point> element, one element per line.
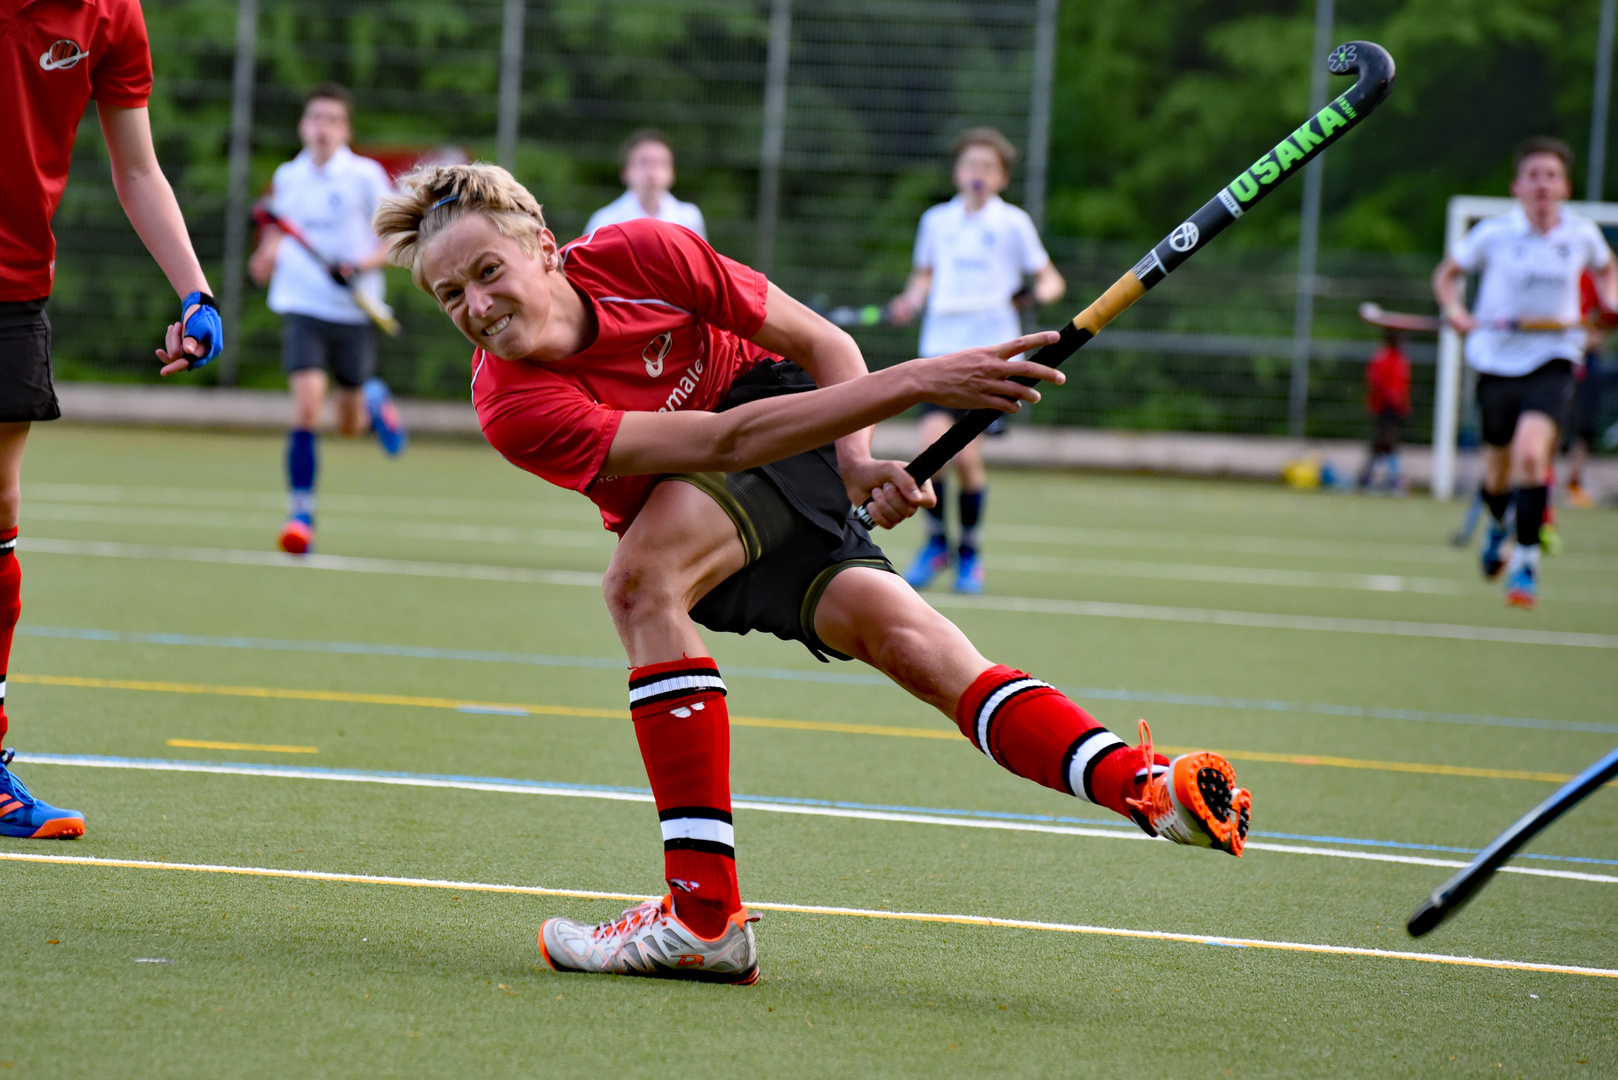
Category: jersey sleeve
<point>1034,256</point>
<point>1472,250</point>
<point>679,268</point>
<point>123,75</point>
<point>556,432</point>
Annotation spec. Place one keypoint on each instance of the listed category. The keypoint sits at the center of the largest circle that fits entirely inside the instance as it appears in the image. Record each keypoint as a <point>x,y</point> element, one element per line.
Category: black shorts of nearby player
<point>1502,399</point>
<point>996,428</point>
<point>1388,433</point>
<point>27,390</point>
<point>346,350</point>
<point>796,525</point>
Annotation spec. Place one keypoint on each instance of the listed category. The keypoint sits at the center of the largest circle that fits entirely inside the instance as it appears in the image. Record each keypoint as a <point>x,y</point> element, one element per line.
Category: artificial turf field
<point>450,628</point>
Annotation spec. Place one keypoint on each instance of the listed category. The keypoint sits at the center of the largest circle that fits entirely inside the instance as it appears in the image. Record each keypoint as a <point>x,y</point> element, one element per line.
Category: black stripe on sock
<point>988,726</point>
<point>707,812</point>
<point>710,847</point>
<point>1090,769</point>
<point>1073,752</point>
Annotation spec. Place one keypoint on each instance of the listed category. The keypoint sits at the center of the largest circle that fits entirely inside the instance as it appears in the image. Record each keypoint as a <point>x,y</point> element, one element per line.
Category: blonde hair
<point>432,196</point>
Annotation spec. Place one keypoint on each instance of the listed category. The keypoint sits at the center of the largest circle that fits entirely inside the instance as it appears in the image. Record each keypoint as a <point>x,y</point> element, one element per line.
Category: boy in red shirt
<point>55,56</point>
<point>1387,399</point>
<point>640,368</point>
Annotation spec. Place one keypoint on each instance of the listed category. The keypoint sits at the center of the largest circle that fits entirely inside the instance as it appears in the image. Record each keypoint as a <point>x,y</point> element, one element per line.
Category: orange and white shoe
<point>1193,801</point>
<point>297,537</point>
<point>651,940</point>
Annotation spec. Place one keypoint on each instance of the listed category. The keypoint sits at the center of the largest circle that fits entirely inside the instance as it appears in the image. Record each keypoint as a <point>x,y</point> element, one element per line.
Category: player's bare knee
<point>10,503</point>
<point>636,589</point>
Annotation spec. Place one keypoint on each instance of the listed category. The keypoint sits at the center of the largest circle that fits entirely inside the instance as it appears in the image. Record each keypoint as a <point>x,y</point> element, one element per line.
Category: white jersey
<point>1527,275</point>
<point>332,204</point>
<point>978,262</point>
<point>627,207</point>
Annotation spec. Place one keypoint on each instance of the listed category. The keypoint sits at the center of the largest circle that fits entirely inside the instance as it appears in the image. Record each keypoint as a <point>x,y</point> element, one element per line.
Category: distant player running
<point>640,367</point>
<point>54,59</point>
<point>972,254</point>
<point>647,161</point>
<point>1530,261</point>
<point>329,193</point>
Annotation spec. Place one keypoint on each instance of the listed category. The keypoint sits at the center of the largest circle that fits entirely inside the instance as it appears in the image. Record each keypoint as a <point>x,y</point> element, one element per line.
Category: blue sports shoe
<point>969,574</point>
<point>1522,587</point>
<point>932,561</point>
<point>385,420</point>
<point>1494,541</point>
<point>23,815</point>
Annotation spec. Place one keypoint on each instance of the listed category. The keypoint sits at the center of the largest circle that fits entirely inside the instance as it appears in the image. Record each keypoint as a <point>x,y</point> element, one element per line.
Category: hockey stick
<point>1458,889</point>
<point>1377,315</point>
<point>379,313</point>
<point>1374,68</point>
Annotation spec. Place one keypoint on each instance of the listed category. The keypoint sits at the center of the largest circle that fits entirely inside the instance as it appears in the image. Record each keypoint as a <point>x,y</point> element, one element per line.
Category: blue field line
<point>774,800</point>
<point>854,678</point>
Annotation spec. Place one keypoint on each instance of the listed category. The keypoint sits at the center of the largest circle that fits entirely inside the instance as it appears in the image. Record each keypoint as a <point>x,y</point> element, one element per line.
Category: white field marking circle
<point>816,909</point>
<point>286,772</point>
<point>1184,237</point>
<point>1034,605</point>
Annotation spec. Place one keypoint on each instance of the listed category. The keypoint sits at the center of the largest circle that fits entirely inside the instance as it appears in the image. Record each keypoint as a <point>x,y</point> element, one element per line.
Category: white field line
<point>292,772</point>
<point>817,909</point>
<point>1032,605</point>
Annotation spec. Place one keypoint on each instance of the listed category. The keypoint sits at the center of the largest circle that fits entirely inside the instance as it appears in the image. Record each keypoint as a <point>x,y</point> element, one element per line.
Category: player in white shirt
<point>330,193</point>
<point>1530,261</point>
<point>971,258</point>
<point>647,159</point>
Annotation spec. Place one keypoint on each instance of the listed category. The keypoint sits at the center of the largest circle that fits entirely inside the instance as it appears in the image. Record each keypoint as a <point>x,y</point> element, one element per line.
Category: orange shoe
<point>1578,496</point>
<point>297,537</point>
<point>1194,801</point>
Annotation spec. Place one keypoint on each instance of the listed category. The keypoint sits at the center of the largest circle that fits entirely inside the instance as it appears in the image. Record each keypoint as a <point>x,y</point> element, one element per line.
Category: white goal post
<point>1464,212</point>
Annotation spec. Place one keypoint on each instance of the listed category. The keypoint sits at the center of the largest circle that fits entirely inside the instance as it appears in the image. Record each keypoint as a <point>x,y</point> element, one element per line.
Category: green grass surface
<point>275,976</point>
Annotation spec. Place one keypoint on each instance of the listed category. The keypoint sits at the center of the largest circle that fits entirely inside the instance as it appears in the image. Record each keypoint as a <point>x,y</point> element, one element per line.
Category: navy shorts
<point>346,350</point>
<point>27,390</point>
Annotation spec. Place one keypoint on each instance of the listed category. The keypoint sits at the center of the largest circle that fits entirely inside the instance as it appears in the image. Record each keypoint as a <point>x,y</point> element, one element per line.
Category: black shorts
<point>796,525</point>
<point>27,390</point>
<point>346,350</point>
<point>1388,433</point>
<point>996,428</point>
<point>1502,399</point>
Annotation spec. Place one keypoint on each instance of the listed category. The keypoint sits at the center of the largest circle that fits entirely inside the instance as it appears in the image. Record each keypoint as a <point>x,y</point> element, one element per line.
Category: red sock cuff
<point>987,698</point>
<point>675,684</point>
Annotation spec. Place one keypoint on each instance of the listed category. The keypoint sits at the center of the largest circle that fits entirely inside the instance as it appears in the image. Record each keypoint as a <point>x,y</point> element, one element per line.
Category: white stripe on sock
<point>1088,751</point>
<point>694,828</point>
<point>673,683</point>
<point>992,704</point>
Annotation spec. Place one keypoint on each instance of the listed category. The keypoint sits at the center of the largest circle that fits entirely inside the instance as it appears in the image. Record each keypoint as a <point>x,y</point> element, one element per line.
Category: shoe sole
<point>747,978</point>
<point>1526,601</point>
<point>294,543</point>
<point>56,829</point>
<point>1214,787</point>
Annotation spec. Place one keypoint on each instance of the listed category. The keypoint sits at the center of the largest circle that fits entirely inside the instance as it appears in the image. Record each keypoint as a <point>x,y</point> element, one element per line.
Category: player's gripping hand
<point>981,378</point>
<point>196,339</point>
<point>888,492</point>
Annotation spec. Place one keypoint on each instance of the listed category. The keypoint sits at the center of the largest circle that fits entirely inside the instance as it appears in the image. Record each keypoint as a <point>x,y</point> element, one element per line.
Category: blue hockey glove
<point>205,326</point>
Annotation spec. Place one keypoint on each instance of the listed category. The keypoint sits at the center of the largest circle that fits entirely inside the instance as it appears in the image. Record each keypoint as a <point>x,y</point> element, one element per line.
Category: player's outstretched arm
<point>765,431</point>
<point>1448,280</point>
<point>148,200</point>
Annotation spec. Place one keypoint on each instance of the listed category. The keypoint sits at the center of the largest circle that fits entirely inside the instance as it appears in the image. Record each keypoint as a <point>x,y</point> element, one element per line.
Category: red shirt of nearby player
<point>1387,381</point>
<point>55,55</point>
<point>673,316</point>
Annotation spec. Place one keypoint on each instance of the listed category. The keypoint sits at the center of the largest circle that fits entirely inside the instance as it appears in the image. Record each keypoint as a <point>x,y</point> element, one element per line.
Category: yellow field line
<point>739,721</point>
<point>815,909</point>
<point>268,748</point>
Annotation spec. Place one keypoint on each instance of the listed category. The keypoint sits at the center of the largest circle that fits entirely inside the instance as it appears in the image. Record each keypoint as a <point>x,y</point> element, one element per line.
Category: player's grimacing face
<point>979,170</point>
<point>1541,180</point>
<point>495,292</point>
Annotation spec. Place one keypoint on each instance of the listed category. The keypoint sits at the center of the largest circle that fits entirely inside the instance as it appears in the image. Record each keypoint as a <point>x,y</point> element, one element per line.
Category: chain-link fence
<point>873,93</point>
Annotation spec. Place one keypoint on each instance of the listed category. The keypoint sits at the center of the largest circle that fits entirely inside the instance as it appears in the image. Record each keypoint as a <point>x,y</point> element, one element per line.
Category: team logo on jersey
<point>62,54</point>
<point>654,352</point>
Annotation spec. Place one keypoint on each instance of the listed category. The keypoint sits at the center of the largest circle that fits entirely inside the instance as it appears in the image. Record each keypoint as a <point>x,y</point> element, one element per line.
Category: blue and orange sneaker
<point>1493,553</point>
<point>23,815</point>
<point>969,573</point>
<point>297,537</point>
<point>390,431</point>
<point>1522,582</point>
<point>932,560</point>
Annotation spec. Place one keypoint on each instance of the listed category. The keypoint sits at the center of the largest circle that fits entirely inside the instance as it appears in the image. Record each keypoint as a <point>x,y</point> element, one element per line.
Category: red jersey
<point>673,318</point>
<point>1387,381</point>
<point>55,55</point>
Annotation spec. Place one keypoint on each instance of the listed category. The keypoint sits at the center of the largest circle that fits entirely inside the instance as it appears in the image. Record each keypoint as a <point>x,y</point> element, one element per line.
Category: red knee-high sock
<point>10,610</point>
<point>1034,730</point>
<point>684,733</point>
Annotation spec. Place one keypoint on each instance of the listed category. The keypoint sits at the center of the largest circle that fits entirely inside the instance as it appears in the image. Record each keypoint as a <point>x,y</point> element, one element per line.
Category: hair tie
<point>445,201</point>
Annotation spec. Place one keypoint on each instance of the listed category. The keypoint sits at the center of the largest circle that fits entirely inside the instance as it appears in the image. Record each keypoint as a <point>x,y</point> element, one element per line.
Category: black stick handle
<point>1459,889</point>
<point>1374,69</point>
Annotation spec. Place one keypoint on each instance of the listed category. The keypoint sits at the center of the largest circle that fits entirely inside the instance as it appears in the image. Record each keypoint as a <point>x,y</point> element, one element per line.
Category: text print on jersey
<point>688,383</point>
<point>62,54</point>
